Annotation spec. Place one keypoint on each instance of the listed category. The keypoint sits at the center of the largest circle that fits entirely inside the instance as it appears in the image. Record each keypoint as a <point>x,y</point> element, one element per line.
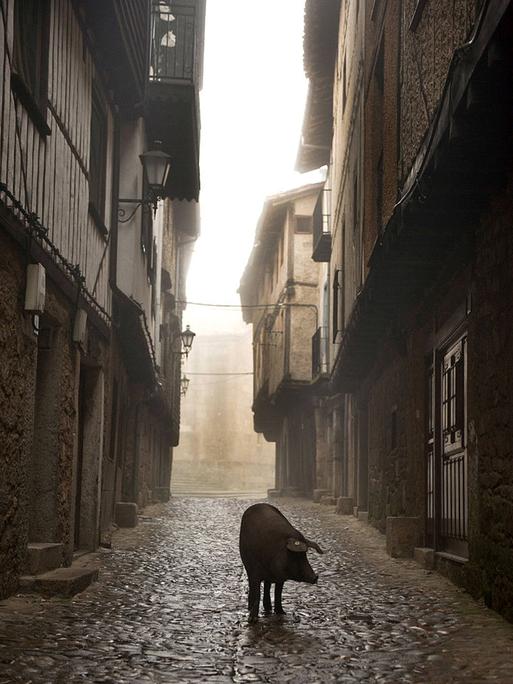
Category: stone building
<point>80,328</point>
<point>279,292</point>
<point>422,355</point>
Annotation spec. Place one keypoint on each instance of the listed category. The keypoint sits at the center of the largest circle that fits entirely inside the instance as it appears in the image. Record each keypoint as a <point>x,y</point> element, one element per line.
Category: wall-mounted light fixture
<point>35,289</point>
<point>187,338</point>
<point>156,165</point>
<point>184,385</point>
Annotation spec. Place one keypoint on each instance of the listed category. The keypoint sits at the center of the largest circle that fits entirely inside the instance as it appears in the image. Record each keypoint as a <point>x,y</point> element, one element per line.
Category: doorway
<point>44,480</point>
<point>88,464</point>
<point>446,491</point>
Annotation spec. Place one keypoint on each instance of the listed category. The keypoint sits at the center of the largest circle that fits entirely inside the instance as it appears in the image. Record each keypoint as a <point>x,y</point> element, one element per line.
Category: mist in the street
<point>256,341</point>
<point>219,450</point>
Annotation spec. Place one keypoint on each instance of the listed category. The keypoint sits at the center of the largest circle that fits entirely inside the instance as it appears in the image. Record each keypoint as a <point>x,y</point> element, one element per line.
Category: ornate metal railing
<point>320,352</point>
<point>173,41</point>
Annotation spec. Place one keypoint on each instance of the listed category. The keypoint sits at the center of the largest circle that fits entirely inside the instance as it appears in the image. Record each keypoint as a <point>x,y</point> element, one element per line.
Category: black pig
<point>272,552</point>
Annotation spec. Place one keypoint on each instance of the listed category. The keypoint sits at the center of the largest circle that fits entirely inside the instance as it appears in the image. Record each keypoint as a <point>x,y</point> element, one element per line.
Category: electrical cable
<point>228,306</point>
<point>246,373</point>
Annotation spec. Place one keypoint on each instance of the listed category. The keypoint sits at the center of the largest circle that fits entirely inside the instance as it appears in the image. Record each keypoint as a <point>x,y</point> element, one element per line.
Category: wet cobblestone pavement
<point>170,606</point>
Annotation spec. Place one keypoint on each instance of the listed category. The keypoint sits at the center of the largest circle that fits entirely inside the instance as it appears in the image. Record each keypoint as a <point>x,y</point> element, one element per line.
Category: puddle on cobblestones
<point>170,607</point>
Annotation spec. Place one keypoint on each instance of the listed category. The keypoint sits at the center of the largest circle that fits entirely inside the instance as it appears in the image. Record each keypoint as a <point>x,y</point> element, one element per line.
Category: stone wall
<point>387,441</point>
<point>397,384</point>
<point>490,369</point>
<point>17,378</point>
<point>382,32</point>
<point>426,53</point>
<point>37,424</point>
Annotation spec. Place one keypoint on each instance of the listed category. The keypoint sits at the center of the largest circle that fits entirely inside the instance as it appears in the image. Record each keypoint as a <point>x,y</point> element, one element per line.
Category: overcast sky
<point>252,106</point>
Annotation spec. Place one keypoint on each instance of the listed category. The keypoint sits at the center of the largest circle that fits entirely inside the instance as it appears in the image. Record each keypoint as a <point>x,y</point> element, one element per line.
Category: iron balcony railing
<point>320,352</point>
<point>321,227</point>
<point>173,41</point>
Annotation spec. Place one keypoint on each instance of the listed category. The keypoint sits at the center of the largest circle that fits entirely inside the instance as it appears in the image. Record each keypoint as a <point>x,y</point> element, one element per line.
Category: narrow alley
<point>171,607</point>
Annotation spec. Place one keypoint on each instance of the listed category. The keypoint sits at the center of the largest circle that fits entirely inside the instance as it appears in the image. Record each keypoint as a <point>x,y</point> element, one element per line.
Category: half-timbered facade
<point>82,294</point>
<point>279,291</point>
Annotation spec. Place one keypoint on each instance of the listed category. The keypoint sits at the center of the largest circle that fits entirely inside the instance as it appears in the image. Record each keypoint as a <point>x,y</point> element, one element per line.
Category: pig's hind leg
<point>253,599</point>
<point>278,608</point>
<point>268,608</point>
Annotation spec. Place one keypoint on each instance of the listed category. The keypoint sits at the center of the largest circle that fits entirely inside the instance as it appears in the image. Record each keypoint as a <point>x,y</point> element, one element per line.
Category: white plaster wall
<point>131,264</point>
<point>158,233</point>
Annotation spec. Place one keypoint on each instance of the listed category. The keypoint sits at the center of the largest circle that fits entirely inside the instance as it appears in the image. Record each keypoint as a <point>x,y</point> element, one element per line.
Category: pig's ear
<point>313,545</point>
<point>296,545</point>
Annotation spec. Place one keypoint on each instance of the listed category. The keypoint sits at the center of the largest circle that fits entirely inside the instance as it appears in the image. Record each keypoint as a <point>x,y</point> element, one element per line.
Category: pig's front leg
<point>268,608</point>
<point>278,608</point>
<point>253,600</point>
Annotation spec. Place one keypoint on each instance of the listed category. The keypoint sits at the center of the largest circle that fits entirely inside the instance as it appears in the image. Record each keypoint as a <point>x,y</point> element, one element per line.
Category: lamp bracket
<point>149,202</point>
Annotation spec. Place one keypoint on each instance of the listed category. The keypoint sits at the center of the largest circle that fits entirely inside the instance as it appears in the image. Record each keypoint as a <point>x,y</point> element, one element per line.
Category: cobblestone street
<point>170,606</point>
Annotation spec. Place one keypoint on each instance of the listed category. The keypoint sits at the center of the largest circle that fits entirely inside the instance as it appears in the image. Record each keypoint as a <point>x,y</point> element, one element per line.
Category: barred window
<point>453,398</point>
<point>98,155</point>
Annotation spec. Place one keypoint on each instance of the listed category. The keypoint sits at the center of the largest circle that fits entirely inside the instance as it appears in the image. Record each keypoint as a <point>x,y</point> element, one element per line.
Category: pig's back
<point>264,532</point>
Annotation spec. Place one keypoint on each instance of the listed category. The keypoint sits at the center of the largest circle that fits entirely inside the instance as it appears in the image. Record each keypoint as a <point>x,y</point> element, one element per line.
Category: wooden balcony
<point>171,102</point>
<point>321,230</point>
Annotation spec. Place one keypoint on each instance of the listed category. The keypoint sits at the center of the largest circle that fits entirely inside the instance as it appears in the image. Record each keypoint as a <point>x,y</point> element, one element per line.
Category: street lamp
<point>184,385</point>
<point>156,165</point>
<point>186,338</point>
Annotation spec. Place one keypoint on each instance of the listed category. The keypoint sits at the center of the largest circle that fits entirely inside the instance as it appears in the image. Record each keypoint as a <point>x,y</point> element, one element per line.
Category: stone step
<point>42,557</point>
<point>221,494</point>
<point>64,582</point>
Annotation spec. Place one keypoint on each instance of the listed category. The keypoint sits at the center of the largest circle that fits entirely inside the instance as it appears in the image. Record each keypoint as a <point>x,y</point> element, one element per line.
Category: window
<point>113,421</point>
<point>430,453</point>
<point>446,486</point>
<point>152,276</point>
<point>338,305</point>
<point>30,75</point>
<point>379,193</point>
<point>379,134</point>
<point>303,224</point>
<point>97,157</point>
<point>357,236</point>
<point>453,398</point>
